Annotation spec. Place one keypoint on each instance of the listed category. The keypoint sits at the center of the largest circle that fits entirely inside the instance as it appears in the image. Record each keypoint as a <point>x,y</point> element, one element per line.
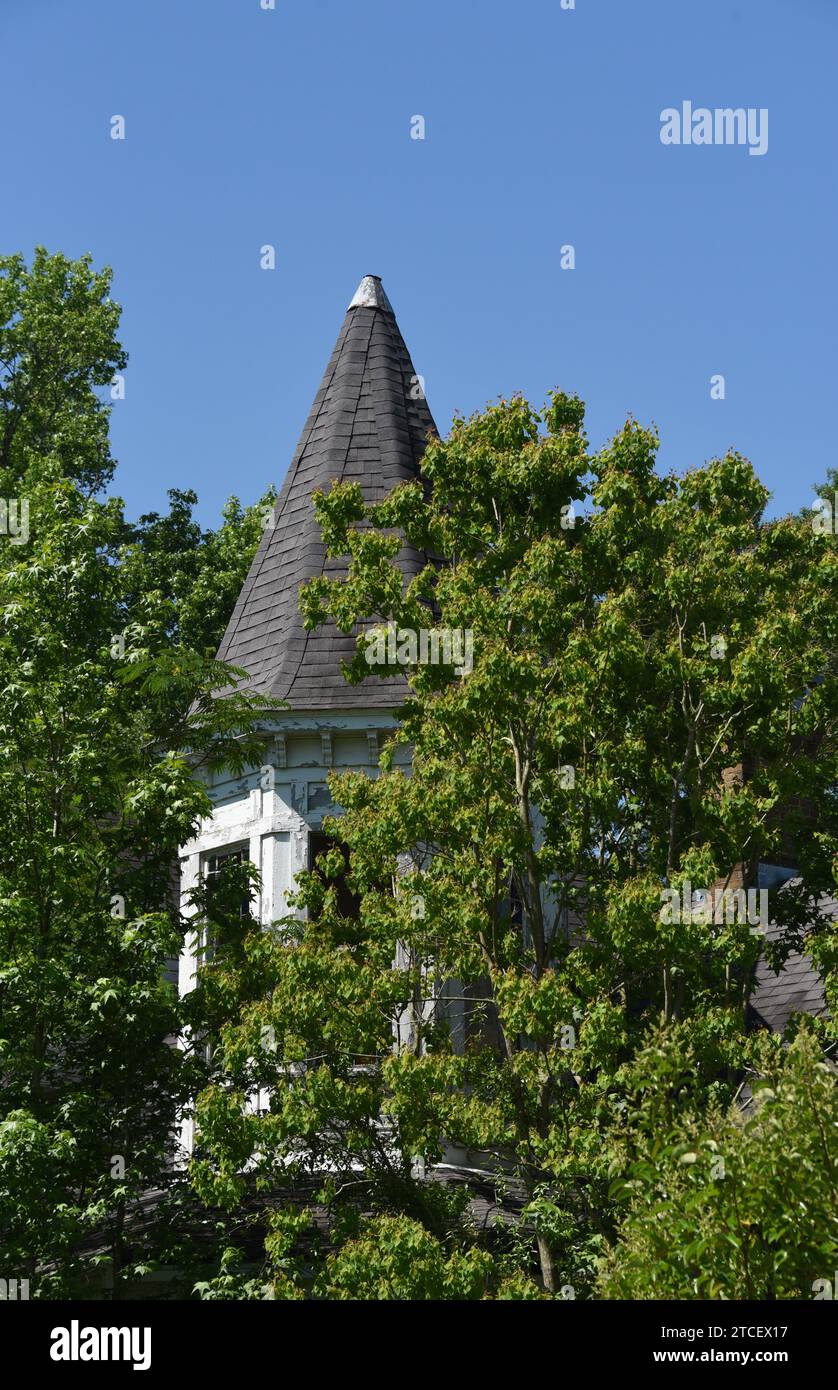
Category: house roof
<point>369,424</point>
<point>798,988</point>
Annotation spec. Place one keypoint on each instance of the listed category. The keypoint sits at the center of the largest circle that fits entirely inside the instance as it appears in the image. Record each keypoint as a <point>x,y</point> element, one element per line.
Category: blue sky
<point>292,127</point>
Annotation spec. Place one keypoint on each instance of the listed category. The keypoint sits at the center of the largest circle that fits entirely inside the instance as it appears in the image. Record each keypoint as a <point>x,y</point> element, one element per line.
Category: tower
<point>369,424</point>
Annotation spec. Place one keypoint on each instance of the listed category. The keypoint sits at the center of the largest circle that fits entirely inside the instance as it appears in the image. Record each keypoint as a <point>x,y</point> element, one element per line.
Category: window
<point>214,865</point>
<point>213,868</point>
<point>348,902</point>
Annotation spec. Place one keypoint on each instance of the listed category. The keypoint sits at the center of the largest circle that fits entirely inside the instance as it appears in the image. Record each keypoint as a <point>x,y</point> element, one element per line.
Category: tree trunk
<point>548,1268</point>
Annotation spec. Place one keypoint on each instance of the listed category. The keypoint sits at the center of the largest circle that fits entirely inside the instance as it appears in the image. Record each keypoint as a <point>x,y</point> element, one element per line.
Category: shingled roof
<point>365,426</point>
<point>798,988</point>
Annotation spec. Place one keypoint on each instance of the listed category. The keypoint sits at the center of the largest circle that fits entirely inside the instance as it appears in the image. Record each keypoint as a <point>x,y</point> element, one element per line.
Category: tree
<point>725,1204</point>
<point>57,351</point>
<point>199,573</point>
<point>635,637</point>
<point>105,709</point>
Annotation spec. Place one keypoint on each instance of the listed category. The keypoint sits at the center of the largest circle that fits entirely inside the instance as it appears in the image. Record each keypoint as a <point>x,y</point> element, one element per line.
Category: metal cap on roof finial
<point>370,295</point>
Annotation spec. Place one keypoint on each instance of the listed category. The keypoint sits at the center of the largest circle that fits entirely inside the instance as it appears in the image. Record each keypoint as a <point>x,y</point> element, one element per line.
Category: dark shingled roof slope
<point>798,988</point>
<point>364,427</point>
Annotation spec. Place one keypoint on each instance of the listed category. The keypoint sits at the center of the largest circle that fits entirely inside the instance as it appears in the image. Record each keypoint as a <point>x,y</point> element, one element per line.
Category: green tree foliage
<point>397,1258</point>
<point>106,708</point>
<point>198,573</point>
<point>635,636</point>
<point>726,1204</point>
<point>57,350</point>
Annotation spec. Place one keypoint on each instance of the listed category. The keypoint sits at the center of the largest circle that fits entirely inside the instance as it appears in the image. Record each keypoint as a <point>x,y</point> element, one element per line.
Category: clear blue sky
<point>246,127</point>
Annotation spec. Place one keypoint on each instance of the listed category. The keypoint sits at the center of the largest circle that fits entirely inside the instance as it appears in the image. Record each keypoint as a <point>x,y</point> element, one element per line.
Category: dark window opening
<point>214,870</point>
<point>349,903</point>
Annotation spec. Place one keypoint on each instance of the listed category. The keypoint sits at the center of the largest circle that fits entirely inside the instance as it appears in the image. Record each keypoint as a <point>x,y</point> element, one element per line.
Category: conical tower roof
<point>365,426</point>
